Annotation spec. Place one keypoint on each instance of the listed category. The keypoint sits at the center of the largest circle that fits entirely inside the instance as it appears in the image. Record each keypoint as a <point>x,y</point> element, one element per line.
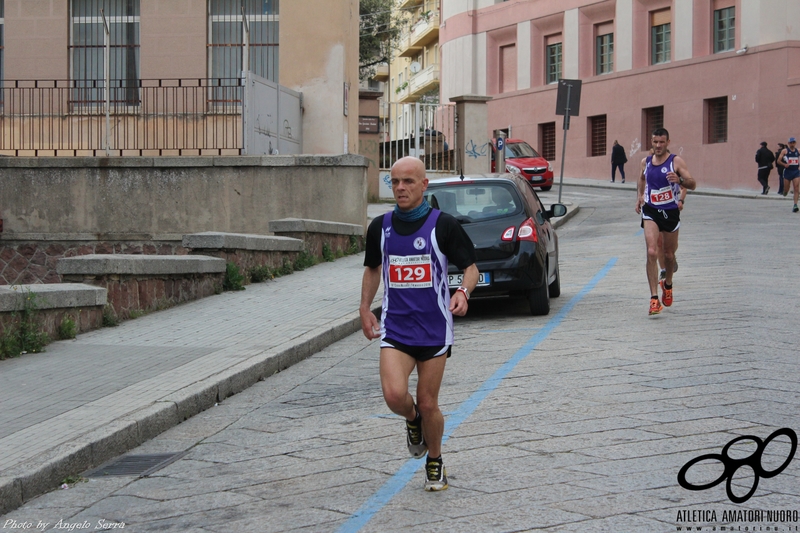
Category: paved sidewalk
<point>87,400</point>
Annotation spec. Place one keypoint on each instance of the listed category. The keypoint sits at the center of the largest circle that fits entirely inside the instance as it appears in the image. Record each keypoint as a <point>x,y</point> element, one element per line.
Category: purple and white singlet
<point>416,298</point>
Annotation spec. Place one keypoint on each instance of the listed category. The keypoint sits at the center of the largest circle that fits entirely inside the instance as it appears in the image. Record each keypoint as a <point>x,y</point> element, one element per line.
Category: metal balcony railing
<point>143,117</point>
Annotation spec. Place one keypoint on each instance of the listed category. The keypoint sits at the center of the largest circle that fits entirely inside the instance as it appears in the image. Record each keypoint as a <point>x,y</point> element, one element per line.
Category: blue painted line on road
<point>512,330</point>
<point>639,233</point>
<point>401,478</point>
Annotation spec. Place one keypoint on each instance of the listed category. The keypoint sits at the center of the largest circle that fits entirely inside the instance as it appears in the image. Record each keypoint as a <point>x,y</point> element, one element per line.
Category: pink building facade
<point>720,75</point>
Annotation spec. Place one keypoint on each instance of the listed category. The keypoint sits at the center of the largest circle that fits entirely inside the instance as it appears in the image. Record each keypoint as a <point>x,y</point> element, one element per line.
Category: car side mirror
<point>556,210</point>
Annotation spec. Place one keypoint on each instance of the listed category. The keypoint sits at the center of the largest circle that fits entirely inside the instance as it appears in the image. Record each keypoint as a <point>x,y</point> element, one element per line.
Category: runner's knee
<point>427,405</point>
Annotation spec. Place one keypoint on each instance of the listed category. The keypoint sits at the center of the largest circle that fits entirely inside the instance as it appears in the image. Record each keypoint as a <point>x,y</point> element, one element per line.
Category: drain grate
<point>135,465</point>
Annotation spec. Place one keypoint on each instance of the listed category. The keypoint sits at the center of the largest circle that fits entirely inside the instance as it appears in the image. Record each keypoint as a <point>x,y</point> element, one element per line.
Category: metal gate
<point>426,131</point>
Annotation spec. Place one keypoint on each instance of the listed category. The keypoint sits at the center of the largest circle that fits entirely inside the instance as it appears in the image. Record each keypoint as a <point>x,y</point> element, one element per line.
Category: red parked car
<point>524,161</point>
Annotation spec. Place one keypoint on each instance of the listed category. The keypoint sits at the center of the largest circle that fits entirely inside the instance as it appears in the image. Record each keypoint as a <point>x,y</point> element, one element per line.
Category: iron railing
<point>144,117</point>
<point>426,131</point>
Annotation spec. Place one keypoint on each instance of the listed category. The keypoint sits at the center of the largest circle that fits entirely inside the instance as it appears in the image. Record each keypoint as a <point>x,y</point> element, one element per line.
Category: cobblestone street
<point>579,421</point>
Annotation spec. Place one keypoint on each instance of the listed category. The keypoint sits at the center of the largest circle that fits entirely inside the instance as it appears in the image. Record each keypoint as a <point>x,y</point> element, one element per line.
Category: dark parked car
<point>523,160</point>
<point>516,246</point>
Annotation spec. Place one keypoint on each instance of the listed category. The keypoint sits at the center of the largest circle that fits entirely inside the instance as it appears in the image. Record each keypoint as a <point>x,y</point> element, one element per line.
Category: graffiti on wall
<point>475,151</point>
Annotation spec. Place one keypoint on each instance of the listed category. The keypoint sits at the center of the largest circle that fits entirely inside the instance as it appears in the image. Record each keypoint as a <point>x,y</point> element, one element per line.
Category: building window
<point>724,29</point>
<point>660,38</point>
<point>717,117</point>
<point>653,119</point>
<point>88,51</point>
<point>605,53</point>
<point>597,132</point>
<point>231,51</point>
<point>553,62</point>
<point>547,140</point>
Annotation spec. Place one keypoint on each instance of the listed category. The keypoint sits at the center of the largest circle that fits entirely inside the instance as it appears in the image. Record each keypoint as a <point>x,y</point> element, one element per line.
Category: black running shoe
<point>435,476</point>
<point>414,438</point>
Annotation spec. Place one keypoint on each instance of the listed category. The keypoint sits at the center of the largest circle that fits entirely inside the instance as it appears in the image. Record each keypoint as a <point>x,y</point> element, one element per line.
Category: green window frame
<point>605,53</point>
<point>660,40</point>
<point>554,58</point>
<point>724,29</point>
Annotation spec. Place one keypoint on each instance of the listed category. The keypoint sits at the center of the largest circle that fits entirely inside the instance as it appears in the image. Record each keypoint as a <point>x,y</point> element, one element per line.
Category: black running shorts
<point>668,220</point>
<point>420,353</point>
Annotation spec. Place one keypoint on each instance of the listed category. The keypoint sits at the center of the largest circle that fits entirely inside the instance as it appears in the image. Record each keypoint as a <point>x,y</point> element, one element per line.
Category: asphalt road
<point>575,422</point>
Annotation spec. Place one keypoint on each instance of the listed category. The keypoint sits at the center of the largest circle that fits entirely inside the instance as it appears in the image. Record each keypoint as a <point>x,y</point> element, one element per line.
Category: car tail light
<point>527,231</point>
<point>508,234</point>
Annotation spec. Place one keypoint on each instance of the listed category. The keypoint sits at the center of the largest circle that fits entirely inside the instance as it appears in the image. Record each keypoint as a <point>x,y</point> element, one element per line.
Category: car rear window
<point>477,201</point>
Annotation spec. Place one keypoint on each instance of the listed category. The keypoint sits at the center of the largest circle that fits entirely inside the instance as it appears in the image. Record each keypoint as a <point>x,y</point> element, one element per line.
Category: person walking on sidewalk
<point>659,187</point>
<point>790,161</point>
<point>764,160</point>
<point>618,159</point>
<point>410,249</point>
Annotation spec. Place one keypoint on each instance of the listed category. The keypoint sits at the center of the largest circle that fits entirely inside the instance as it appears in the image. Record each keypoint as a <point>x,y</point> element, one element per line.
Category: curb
<point>36,477</point>
<point>738,193</point>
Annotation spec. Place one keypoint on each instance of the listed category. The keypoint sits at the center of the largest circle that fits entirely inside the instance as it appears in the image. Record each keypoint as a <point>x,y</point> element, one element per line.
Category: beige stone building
<point>175,70</point>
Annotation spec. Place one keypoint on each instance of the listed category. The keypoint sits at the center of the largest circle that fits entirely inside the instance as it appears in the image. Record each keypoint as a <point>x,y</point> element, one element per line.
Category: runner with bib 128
<point>658,192</point>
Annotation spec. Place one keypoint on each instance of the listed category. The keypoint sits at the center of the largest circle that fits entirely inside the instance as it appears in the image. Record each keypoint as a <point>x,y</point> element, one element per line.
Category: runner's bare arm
<point>458,302</point>
<point>780,158</point>
<point>682,171</point>
<point>369,288</point>
<point>640,187</point>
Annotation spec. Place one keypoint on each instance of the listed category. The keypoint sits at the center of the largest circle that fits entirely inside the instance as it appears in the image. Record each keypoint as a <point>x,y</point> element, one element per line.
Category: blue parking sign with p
<point>500,143</point>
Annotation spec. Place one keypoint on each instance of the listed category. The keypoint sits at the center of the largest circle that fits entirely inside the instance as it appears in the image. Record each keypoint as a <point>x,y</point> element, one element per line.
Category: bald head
<point>409,165</point>
<point>408,182</point>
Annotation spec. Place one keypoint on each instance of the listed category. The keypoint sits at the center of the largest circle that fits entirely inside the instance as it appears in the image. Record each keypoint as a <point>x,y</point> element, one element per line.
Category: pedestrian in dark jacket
<point>618,159</point>
<point>764,159</point>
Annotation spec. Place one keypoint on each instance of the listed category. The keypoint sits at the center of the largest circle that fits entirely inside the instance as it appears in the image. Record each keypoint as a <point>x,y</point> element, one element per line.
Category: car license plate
<point>455,280</point>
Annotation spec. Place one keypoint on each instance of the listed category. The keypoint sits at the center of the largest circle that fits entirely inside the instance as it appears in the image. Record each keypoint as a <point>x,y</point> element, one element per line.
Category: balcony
<point>402,93</point>
<point>406,4</point>
<point>423,82</point>
<point>381,73</point>
<point>424,32</point>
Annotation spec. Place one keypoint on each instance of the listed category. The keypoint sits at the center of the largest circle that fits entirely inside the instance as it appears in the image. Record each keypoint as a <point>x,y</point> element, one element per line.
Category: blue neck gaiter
<point>414,214</point>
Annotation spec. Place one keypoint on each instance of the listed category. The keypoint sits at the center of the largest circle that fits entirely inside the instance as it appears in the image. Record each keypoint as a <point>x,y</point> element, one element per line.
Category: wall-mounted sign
<point>368,124</point>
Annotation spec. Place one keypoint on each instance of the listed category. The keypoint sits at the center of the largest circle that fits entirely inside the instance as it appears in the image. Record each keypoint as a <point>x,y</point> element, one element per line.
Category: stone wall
<point>28,262</point>
<point>119,199</point>
<point>53,303</point>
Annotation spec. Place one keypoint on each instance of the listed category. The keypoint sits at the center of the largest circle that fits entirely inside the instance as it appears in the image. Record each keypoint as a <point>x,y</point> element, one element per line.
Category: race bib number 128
<point>410,271</point>
<point>661,196</point>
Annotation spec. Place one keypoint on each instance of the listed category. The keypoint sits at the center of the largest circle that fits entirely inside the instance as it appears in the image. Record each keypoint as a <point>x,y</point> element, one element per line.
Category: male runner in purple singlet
<point>410,249</point>
<point>659,188</point>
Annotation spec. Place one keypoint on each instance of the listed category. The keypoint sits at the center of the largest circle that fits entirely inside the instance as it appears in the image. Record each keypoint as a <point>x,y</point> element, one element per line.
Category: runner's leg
<point>395,368</point>
<point>429,374</point>
<point>651,236</point>
<point>670,244</point>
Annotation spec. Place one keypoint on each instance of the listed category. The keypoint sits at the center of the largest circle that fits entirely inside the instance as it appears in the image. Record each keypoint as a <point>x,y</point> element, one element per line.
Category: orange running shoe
<point>655,306</point>
<point>666,296</point>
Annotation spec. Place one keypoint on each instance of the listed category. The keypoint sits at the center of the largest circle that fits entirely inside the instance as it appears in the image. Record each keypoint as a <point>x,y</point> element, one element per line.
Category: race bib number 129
<point>410,271</point>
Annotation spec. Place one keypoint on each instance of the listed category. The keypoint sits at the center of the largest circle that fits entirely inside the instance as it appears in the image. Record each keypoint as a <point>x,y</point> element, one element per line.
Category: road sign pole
<point>564,144</point>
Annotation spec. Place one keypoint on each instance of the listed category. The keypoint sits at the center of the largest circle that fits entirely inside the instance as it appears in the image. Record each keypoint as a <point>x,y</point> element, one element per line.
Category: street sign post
<point>568,103</point>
